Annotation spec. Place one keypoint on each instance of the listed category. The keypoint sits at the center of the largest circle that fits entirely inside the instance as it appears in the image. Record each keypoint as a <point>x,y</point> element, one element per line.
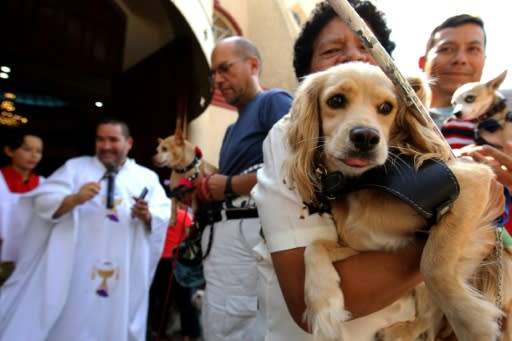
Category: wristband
<point>228,189</point>
<point>203,190</point>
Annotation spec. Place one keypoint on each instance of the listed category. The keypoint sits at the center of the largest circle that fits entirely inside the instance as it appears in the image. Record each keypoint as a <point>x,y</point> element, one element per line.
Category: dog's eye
<point>337,102</point>
<point>385,108</point>
<point>469,98</point>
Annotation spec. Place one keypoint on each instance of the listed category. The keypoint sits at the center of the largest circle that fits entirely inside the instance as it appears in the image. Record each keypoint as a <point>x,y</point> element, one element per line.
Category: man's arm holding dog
<point>370,280</point>
<point>499,160</point>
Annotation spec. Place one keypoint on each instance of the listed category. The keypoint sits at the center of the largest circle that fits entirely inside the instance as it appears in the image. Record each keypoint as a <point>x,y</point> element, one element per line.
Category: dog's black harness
<point>429,190</point>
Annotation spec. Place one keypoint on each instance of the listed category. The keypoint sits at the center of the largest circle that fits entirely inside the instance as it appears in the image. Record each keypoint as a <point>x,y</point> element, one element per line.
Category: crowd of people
<point>94,255</point>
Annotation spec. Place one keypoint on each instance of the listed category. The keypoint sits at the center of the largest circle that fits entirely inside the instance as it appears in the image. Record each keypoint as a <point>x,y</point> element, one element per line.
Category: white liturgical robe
<point>10,219</point>
<point>87,274</point>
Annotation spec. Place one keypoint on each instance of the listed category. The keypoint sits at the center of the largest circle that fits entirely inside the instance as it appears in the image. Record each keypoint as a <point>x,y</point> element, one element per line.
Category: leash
<point>169,287</point>
<point>499,264</point>
<point>500,229</point>
<point>167,297</point>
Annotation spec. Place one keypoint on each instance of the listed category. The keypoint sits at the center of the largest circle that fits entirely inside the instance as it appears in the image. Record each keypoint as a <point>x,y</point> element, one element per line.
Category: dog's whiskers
<point>395,159</point>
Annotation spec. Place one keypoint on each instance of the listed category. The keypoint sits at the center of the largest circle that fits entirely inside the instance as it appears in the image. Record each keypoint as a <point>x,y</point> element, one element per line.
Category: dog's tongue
<point>356,162</point>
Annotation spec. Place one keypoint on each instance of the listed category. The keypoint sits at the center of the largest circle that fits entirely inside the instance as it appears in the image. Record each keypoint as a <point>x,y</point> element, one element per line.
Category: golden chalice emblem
<point>105,270</point>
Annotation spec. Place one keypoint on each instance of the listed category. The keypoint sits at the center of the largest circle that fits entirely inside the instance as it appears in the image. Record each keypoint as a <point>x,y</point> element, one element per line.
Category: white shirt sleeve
<point>285,219</point>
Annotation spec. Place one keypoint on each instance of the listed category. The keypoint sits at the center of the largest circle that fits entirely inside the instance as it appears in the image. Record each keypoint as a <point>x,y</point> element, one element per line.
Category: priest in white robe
<point>85,269</point>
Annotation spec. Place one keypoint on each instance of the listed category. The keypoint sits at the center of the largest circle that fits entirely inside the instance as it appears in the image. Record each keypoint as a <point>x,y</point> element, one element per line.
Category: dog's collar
<point>496,108</point>
<point>429,190</point>
<point>195,163</point>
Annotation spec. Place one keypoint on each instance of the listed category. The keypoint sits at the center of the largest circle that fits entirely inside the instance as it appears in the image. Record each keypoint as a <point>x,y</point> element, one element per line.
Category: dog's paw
<point>325,315</point>
<point>326,324</point>
<point>325,305</point>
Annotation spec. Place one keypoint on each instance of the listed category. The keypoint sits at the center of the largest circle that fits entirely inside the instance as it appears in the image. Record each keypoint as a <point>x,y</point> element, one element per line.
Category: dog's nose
<point>364,138</point>
<point>458,114</point>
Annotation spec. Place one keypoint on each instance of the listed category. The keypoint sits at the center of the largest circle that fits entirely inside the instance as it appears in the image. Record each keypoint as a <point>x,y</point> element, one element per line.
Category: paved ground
<point>173,330</point>
<point>173,337</point>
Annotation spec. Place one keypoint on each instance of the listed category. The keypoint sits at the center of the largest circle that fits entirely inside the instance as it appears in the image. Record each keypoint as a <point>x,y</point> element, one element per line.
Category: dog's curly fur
<point>328,108</point>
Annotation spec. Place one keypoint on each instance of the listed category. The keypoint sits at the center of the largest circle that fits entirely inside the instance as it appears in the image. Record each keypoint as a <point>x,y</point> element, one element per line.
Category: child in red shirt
<point>165,290</point>
<point>25,151</point>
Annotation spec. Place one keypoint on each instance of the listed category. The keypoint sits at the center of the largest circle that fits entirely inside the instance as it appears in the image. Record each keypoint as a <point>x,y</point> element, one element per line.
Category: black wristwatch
<point>228,190</point>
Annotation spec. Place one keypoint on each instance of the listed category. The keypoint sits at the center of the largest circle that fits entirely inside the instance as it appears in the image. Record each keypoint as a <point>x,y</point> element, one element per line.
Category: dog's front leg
<point>455,248</point>
<point>325,304</point>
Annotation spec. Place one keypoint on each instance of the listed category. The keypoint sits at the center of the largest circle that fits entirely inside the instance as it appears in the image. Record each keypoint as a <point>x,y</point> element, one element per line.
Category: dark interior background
<point>65,55</point>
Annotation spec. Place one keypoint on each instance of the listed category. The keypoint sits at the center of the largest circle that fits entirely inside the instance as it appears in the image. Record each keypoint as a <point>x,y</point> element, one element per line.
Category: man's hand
<point>217,184</point>
<point>499,161</point>
<point>87,192</point>
<point>141,210</point>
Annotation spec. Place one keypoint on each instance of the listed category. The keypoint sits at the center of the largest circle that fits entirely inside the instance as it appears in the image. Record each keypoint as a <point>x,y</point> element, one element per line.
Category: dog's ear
<point>303,136</point>
<point>411,136</point>
<point>420,86</point>
<point>496,82</point>
<point>178,137</point>
<point>416,139</point>
<point>159,140</point>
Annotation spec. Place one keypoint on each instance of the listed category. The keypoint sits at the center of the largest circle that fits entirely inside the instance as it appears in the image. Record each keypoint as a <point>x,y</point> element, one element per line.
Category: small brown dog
<point>349,120</point>
<point>483,103</point>
<point>186,164</point>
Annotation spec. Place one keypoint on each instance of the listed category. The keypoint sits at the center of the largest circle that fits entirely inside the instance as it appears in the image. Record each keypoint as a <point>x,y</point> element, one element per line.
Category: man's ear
<point>421,63</point>
<point>130,142</point>
<point>255,65</point>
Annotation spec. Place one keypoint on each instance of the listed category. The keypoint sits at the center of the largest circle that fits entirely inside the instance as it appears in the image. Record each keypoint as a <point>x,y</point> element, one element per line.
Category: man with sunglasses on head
<point>228,213</point>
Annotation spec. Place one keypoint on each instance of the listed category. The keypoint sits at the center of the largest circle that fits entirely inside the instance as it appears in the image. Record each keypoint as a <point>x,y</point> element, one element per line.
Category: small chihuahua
<point>186,164</point>
<point>483,103</point>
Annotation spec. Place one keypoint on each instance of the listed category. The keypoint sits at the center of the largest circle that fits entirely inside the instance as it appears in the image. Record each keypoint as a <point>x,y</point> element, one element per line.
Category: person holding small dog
<point>375,284</point>
<point>455,55</point>
<point>91,250</point>
<point>230,302</point>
